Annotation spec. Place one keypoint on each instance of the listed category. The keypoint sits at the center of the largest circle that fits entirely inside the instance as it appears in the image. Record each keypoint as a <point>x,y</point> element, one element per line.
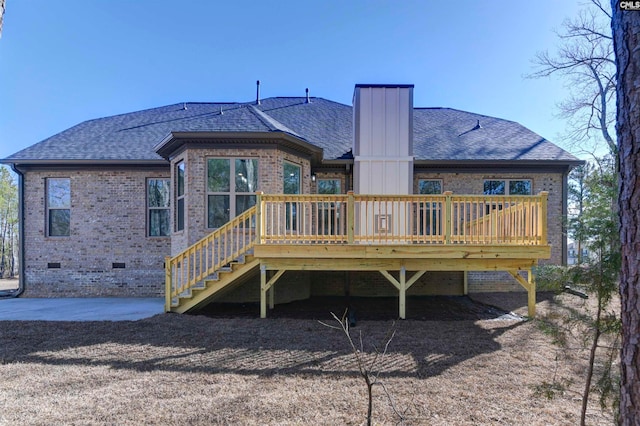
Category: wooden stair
<point>211,266</point>
<point>219,283</point>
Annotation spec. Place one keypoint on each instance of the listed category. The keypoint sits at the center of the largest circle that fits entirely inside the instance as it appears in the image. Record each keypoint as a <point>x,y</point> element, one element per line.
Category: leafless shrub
<point>368,366</point>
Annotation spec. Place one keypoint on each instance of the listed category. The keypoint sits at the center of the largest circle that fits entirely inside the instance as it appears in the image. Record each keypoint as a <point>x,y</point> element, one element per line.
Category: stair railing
<point>189,268</point>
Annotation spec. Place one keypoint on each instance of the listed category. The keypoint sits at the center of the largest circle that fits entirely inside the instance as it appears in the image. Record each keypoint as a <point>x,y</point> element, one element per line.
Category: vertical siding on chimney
<point>383,139</point>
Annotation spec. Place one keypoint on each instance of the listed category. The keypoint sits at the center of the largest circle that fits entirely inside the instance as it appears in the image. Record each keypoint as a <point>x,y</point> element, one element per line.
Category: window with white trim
<point>158,207</point>
<point>231,188</point>
<point>58,207</point>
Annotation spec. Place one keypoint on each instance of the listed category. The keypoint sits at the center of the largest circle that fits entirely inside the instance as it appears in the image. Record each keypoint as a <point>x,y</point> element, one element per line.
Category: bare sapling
<point>368,365</point>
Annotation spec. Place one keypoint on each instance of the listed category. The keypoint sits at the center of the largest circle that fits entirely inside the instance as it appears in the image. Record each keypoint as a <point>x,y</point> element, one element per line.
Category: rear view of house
<point>281,199</point>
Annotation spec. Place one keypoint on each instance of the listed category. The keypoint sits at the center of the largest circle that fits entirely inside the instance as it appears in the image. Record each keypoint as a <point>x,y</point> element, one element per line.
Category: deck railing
<point>303,218</point>
<point>402,219</point>
<point>360,219</point>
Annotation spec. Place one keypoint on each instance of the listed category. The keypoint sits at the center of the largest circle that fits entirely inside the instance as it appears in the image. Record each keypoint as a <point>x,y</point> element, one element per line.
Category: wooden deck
<point>408,235</point>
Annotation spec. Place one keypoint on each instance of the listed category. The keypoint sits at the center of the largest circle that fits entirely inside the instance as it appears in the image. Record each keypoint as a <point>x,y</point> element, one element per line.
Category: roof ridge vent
<point>478,126</point>
<point>257,92</point>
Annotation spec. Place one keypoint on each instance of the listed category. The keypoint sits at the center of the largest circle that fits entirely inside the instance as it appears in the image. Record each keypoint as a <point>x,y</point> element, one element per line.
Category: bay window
<point>291,185</point>
<point>231,187</point>
<point>180,194</point>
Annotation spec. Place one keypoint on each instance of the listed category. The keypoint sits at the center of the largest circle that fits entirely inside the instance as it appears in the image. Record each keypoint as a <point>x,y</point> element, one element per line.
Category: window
<point>429,186</point>
<point>291,185</point>
<point>180,192</point>
<point>329,213</point>
<point>507,187</point>
<point>231,187</point>
<point>58,207</point>
<point>158,204</point>
<point>430,217</point>
<point>329,186</point>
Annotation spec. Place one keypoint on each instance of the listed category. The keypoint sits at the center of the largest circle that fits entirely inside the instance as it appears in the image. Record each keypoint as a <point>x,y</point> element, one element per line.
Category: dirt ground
<point>290,369</point>
<point>427,308</point>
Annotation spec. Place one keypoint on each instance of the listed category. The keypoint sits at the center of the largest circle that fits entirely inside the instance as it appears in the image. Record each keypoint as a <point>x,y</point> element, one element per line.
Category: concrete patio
<point>79,309</point>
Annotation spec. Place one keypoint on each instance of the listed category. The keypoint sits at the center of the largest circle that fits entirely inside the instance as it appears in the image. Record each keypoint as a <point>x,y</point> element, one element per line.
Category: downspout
<point>565,213</point>
<point>21,268</point>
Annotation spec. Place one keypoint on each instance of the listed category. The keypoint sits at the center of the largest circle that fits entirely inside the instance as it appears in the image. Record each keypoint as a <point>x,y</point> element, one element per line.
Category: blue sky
<point>63,62</point>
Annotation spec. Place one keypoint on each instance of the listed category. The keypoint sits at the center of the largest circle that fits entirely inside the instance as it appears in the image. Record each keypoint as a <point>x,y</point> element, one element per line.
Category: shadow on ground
<point>290,342</point>
<point>423,308</point>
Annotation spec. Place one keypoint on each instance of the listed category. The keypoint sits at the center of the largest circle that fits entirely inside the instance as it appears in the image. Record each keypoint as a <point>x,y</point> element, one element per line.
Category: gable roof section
<point>440,134</point>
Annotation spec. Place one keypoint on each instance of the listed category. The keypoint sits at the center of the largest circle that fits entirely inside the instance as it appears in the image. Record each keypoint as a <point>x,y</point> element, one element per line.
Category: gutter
<point>488,163</point>
<point>170,143</point>
<point>21,278</point>
<point>80,162</point>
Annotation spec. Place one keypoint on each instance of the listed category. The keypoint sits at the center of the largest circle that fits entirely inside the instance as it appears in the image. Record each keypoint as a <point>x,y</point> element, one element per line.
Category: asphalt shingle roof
<point>450,134</point>
<point>439,133</point>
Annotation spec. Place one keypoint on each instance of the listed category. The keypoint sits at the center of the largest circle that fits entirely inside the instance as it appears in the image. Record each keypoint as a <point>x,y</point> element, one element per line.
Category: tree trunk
<point>12,257</point>
<point>592,361</point>
<point>3,244</point>
<point>626,32</point>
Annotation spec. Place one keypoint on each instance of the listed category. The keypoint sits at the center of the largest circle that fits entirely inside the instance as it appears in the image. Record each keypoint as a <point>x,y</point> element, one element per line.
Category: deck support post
<point>531,300</point>
<point>263,291</point>
<point>403,293</point>
<point>403,285</point>
<point>530,285</point>
<point>272,297</point>
<point>267,287</point>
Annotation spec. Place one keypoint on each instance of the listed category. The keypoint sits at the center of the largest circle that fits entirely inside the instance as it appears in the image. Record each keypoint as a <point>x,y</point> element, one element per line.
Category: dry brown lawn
<point>196,370</point>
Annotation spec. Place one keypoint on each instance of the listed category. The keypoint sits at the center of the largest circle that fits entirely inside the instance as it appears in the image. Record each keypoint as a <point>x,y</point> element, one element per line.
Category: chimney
<point>383,139</point>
